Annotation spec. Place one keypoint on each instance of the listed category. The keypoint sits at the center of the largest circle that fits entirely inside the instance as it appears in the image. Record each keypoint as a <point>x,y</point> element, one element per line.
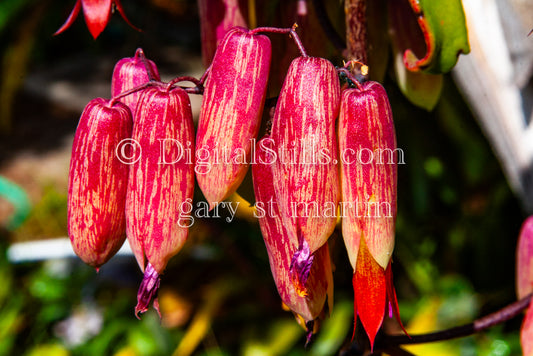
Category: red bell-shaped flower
<point>96,13</point>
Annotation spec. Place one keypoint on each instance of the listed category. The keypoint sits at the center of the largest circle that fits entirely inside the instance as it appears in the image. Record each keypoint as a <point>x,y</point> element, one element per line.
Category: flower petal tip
<point>301,264</point>
<point>148,291</point>
<point>310,325</point>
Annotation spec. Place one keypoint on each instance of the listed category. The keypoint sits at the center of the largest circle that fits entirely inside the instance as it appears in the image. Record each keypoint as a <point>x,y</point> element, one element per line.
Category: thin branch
<point>134,90</point>
<point>481,324</point>
<point>291,31</point>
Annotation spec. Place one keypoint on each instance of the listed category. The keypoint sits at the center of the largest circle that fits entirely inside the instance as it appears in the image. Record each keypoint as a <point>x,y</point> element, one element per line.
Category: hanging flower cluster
<point>306,173</point>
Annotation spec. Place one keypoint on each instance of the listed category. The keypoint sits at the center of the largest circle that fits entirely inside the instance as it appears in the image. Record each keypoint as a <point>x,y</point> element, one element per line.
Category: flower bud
<point>282,243</point>
<point>524,259</point>
<point>161,182</point>
<point>231,112</point>
<point>131,72</point>
<point>367,145</point>
<point>305,171</point>
<point>98,182</point>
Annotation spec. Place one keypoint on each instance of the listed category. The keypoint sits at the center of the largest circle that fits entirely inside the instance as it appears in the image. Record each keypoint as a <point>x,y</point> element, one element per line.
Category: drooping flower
<point>367,143</point>
<point>98,182</point>
<point>96,13</point>
<point>231,111</point>
<point>305,170</point>
<point>161,184</point>
<point>282,244</point>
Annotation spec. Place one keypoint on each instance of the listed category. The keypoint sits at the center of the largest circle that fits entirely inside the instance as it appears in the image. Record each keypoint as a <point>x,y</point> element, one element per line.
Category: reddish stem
<point>197,89</point>
<point>204,76</point>
<point>504,314</point>
<point>291,31</point>
<point>356,35</point>
<point>134,90</point>
<point>139,53</point>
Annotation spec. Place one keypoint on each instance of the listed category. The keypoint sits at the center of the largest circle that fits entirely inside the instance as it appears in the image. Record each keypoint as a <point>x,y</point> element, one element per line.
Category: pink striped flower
<point>282,244</point>
<point>98,182</point>
<point>367,145</point>
<point>524,281</point>
<point>231,112</point>
<point>305,168</point>
<point>161,184</point>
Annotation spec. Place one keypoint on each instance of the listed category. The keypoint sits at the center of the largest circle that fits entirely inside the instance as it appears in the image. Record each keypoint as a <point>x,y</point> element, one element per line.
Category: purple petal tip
<point>148,291</point>
<point>301,264</point>
<point>309,334</point>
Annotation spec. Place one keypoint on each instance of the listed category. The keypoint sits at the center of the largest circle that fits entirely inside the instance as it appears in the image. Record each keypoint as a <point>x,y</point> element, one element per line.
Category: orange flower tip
<point>148,291</point>
<point>301,264</point>
<point>370,292</point>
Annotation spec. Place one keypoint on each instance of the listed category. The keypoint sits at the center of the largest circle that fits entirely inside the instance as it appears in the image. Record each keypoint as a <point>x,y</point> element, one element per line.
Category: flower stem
<point>133,90</point>
<point>139,53</point>
<point>197,89</point>
<point>356,34</point>
<point>291,31</point>
<point>500,316</point>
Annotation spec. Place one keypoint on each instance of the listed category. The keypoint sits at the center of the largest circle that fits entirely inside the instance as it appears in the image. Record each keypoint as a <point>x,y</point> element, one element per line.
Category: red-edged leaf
<point>394,310</point>
<point>437,25</point>
<point>370,292</point>
<point>97,13</point>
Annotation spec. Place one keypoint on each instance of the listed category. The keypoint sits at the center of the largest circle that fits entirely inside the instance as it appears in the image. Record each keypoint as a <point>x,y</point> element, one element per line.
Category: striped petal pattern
<point>231,112</point>
<point>281,244</point>
<point>131,72</point>
<point>305,168</point>
<point>98,182</point>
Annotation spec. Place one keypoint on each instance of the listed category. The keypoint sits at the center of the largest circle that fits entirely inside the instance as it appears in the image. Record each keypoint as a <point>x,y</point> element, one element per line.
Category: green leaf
<point>421,89</point>
<point>444,30</point>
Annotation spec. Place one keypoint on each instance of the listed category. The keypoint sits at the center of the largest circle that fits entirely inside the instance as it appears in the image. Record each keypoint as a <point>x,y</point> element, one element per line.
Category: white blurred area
<point>496,80</point>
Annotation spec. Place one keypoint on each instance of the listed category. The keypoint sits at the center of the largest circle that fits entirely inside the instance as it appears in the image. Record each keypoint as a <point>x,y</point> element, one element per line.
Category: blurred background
<point>457,226</point>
